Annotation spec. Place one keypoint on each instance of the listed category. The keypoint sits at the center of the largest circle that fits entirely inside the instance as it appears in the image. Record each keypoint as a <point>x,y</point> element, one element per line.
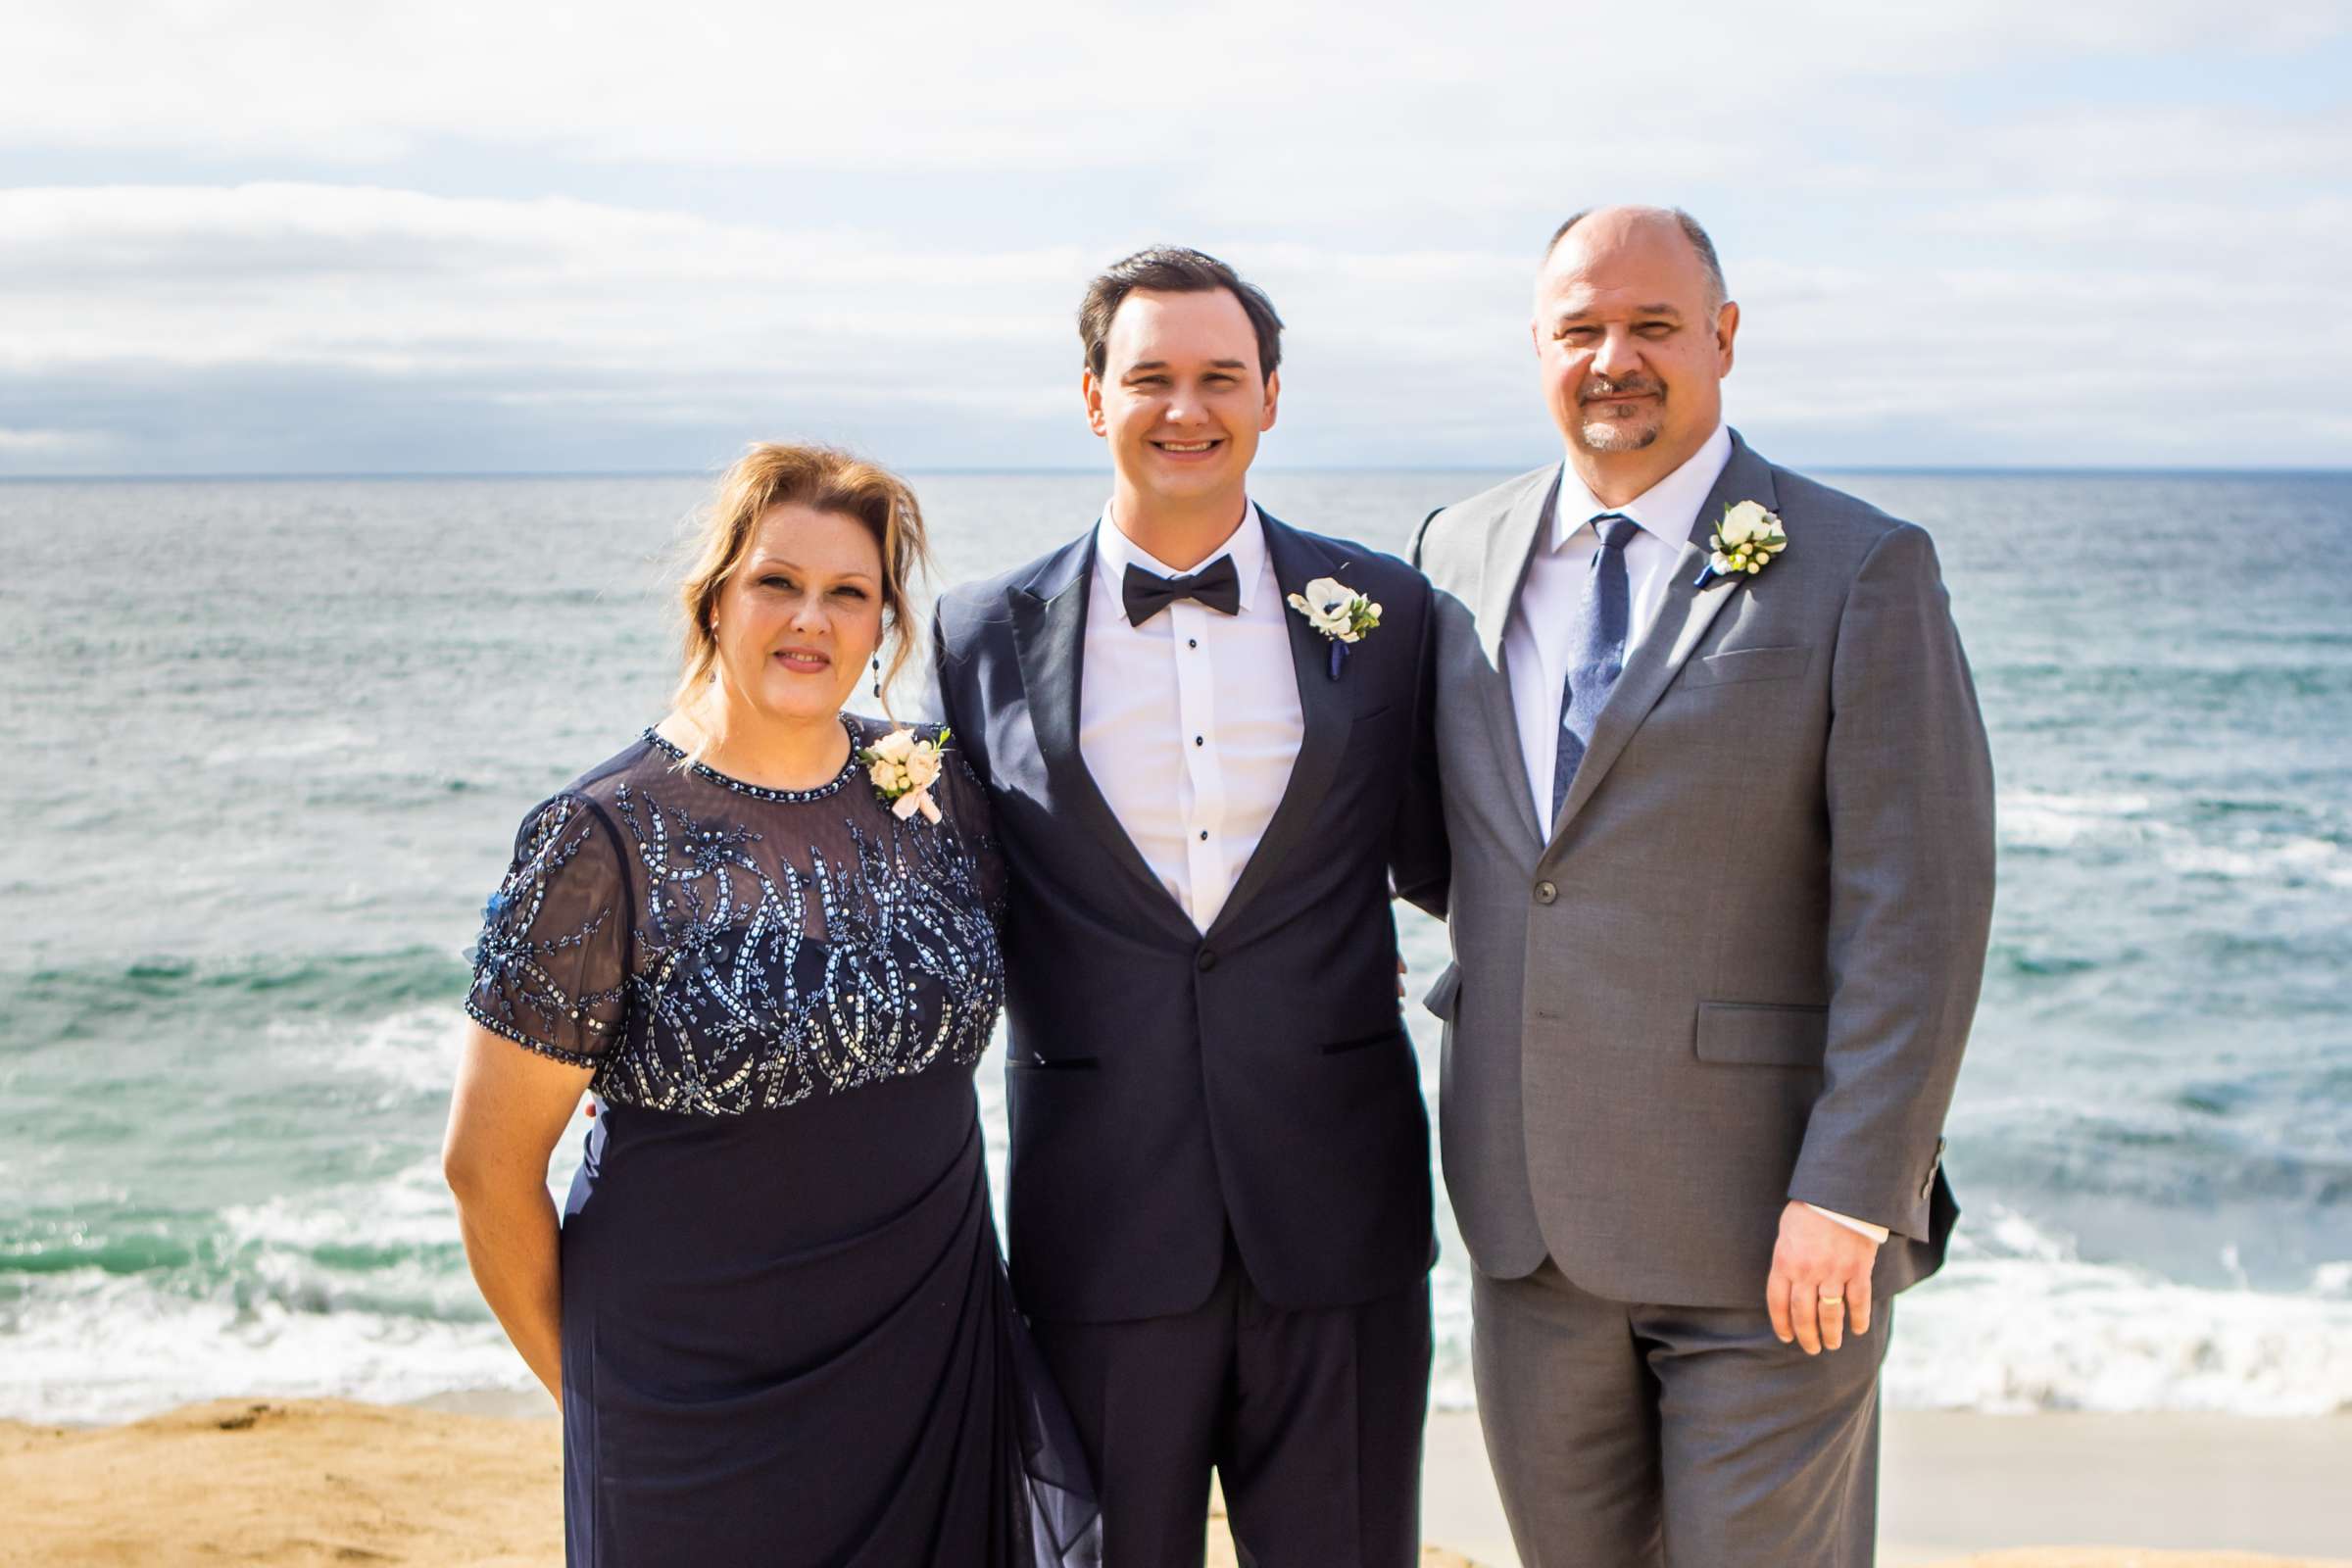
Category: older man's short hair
<point>1718,290</point>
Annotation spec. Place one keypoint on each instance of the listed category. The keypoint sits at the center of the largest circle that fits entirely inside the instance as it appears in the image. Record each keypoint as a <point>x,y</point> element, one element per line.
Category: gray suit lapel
<point>1682,622</point>
<point>1049,632</point>
<point>1296,561</point>
<point>1509,544</point>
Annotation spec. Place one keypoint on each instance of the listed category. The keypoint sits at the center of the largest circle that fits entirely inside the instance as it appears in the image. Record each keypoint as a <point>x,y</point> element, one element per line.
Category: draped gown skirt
<point>789,1340</point>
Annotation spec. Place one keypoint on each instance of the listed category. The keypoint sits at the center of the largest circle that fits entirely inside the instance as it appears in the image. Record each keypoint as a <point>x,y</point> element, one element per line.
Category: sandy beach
<point>297,1483</point>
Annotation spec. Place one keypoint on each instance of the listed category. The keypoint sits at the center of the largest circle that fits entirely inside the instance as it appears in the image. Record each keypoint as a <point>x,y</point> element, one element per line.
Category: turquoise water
<point>264,743</point>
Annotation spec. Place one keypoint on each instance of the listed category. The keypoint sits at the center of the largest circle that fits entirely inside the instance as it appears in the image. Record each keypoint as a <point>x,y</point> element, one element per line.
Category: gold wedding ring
<point>1833,1300</point>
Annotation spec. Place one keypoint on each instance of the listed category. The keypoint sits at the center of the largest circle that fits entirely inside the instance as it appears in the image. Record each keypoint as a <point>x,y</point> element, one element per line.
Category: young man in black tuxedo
<point>1206,740</point>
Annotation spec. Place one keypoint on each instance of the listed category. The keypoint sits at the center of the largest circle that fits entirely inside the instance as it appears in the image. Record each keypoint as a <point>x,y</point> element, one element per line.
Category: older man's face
<point>1632,355</point>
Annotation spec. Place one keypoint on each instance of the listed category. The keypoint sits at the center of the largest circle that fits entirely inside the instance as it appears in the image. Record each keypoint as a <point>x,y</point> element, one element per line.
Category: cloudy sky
<point>262,236</point>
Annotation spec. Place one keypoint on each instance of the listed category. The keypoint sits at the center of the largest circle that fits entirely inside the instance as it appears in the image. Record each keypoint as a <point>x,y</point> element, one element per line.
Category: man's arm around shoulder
<point>1420,865</point>
<point>953,629</point>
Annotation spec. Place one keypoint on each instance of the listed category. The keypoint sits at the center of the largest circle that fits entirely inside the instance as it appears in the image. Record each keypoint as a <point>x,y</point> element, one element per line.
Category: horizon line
<point>954,470</point>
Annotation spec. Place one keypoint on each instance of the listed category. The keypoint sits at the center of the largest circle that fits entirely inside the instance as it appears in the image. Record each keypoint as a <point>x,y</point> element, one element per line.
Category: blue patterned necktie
<point>1597,655</point>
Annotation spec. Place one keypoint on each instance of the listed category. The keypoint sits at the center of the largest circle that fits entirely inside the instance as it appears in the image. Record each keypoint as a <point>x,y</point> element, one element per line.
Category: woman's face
<point>802,615</point>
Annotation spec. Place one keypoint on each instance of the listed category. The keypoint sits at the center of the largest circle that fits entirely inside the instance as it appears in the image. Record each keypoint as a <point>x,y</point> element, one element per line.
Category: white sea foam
<point>2043,819</point>
<point>2017,1333</point>
<point>90,1346</point>
<point>2017,1322</point>
<point>412,1208</point>
<point>316,1299</point>
<point>2004,1232</point>
<point>325,740</point>
<point>415,1050</point>
<point>2051,820</point>
<point>2292,858</point>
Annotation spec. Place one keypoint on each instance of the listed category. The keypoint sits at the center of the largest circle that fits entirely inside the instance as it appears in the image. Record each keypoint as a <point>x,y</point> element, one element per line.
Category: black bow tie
<point>1145,594</point>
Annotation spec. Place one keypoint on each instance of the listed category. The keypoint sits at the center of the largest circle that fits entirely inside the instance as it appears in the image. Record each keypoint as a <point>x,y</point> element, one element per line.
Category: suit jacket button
<point>1208,960</point>
<point>1547,893</point>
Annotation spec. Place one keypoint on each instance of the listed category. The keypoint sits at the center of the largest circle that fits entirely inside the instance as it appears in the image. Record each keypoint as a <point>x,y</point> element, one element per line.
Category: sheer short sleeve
<point>552,967</point>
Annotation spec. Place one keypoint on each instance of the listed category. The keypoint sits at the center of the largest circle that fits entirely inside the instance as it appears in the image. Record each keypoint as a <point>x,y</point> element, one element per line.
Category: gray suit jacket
<point>1740,966</point>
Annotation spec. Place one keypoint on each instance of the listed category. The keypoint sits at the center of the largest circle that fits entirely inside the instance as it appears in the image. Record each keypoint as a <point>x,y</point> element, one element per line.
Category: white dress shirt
<point>1544,626</point>
<point>1190,722</point>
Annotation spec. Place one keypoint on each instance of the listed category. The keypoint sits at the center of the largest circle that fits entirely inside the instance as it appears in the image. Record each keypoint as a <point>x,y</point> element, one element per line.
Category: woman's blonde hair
<point>773,473</point>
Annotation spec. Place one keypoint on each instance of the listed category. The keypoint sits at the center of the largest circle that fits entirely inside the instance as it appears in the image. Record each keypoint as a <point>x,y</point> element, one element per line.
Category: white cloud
<point>1053,84</point>
<point>877,226</point>
<point>560,315</point>
<point>292,274</point>
<point>46,444</point>
<point>2147,152</point>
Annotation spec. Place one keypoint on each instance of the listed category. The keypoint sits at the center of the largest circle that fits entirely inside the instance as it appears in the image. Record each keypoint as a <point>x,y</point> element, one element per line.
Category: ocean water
<point>264,743</point>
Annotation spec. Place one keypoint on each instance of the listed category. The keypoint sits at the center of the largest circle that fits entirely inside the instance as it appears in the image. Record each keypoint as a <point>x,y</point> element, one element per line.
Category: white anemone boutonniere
<point>1338,613</point>
<point>1744,543</point>
<point>904,767</point>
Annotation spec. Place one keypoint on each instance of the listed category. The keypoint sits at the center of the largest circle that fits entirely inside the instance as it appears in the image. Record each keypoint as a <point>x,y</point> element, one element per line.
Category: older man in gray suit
<point>1721,813</point>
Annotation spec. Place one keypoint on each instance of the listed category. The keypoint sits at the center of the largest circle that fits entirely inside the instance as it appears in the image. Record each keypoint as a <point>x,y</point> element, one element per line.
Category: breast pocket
<point>1743,664</point>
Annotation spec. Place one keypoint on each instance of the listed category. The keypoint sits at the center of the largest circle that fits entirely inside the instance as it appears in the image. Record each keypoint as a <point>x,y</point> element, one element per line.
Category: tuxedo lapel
<point>1683,620</point>
<point>1509,544</point>
<point>1298,561</point>
<point>1048,630</point>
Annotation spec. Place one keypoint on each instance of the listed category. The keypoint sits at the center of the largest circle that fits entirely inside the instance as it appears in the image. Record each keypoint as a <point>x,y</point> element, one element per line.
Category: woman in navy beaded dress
<point>773,1310</point>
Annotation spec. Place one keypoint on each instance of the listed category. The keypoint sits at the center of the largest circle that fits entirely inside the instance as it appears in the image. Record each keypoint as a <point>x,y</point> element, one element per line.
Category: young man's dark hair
<point>1174,270</point>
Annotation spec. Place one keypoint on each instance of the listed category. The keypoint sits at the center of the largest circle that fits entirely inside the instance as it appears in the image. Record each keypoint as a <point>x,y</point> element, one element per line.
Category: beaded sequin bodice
<point>712,947</point>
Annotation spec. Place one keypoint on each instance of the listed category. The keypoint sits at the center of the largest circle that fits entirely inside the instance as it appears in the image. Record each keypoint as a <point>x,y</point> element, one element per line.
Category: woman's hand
<point>508,1108</point>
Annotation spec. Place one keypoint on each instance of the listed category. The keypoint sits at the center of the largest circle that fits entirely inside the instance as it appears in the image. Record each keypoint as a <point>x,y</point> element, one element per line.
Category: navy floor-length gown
<point>788,1338</point>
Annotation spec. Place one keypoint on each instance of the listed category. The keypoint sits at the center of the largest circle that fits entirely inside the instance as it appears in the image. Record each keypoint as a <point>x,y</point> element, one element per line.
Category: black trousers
<point>1311,1418</point>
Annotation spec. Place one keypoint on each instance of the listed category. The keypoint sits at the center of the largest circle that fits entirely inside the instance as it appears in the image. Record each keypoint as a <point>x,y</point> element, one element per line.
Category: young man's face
<point>1180,398</point>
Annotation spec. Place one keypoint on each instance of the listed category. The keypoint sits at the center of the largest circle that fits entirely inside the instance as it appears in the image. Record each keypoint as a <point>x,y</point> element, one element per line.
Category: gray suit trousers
<point>1629,1435</point>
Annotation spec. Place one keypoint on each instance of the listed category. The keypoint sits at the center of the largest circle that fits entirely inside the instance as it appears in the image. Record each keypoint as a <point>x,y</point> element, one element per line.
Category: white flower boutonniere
<point>1336,610</point>
<point>1340,613</point>
<point>1744,543</point>
<point>904,767</point>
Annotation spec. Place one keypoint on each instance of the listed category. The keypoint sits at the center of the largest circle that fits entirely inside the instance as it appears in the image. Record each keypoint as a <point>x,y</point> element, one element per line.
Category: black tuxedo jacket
<point>1168,1086</point>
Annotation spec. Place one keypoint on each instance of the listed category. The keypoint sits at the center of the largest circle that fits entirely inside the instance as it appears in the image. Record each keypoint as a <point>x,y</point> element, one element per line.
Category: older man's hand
<point>1820,1280</point>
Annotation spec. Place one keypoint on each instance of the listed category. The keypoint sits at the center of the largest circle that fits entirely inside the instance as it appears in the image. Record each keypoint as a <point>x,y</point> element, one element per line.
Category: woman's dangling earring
<point>877,677</point>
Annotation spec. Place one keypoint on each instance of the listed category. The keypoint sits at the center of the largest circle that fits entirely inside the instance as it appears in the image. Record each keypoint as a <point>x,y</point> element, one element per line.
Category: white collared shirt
<point>1189,723</point>
<point>1543,629</point>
